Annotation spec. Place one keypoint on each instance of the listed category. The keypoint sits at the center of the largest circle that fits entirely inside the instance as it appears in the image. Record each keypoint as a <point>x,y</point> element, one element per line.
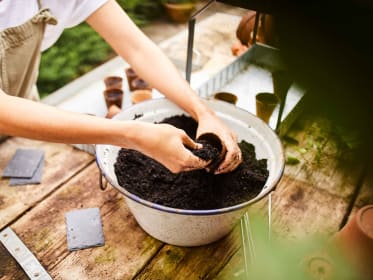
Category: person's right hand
<point>167,145</point>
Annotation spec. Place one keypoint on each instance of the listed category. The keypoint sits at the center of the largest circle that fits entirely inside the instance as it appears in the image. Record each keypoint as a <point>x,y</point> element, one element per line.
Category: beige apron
<point>20,55</point>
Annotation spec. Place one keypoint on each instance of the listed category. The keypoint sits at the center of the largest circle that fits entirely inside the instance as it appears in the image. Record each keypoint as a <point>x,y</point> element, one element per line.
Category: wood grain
<point>127,247</point>
<point>202,262</point>
<point>9,268</point>
<point>61,163</point>
<point>313,196</point>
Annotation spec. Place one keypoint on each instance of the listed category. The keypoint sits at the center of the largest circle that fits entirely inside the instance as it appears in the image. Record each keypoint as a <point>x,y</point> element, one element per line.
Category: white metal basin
<point>195,227</point>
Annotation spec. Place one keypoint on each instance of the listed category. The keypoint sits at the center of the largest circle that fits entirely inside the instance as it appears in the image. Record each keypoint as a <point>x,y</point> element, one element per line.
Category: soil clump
<point>197,189</point>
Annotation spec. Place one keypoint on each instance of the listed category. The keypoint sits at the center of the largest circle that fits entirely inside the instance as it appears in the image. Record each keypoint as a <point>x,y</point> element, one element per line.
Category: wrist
<point>124,134</point>
<point>133,134</point>
<point>199,109</point>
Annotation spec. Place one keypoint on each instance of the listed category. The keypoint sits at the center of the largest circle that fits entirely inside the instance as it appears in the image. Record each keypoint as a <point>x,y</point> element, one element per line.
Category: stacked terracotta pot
<point>140,89</point>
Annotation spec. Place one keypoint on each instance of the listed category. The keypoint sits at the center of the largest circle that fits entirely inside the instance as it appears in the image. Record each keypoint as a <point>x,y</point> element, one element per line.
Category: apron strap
<point>40,4</point>
<point>44,16</point>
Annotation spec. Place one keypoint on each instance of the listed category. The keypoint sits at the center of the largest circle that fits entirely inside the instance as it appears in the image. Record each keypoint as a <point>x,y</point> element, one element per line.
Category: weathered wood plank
<point>235,268</point>
<point>9,268</point>
<point>300,209</point>
<point>202,262</point>
<point>325,160</point>
<point>314,195</point>
<point>127,248</point>
<point>61,163</point>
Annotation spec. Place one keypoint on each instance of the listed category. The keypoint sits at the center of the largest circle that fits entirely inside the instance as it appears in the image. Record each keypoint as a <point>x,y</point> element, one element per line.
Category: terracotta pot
<point>245,28</point>
<point>179,12</point>
<point>214,141</point>
<point>113,82</point>
<point>113,96</point>
<point>140,95</point>
<point>265,105</point>
<point>356,241</point>
<point>139,83</point>
<point>226,96</point>
<point>131,75</point>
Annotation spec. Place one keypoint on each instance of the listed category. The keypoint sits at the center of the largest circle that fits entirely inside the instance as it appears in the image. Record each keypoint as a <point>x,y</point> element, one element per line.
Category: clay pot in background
<point>179,13</point>
<point>226,96</point>
<point>245,28</point>
<point>139,83</point>
<point>131,75</point>
<point>237,49</point>
<point>265,105</point>
<point>113,82</point>
<point>356,241</point>
<point>140,95</point>
<point>113,96</point>
<point>266,31</point>
<point>213,140</point>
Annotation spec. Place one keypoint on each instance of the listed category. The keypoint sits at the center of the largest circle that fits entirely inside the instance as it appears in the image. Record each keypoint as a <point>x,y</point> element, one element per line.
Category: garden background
<point>80,49</point>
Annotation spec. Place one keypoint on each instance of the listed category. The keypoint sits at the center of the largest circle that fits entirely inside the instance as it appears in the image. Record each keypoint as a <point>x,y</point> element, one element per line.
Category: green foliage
<point>142,11</point>
<point>77,51</point>
<point>80,49</point>
<point>310,258</point>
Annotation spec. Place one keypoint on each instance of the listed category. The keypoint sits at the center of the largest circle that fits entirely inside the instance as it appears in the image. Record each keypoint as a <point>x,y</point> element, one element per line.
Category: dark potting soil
<point>197,189</point>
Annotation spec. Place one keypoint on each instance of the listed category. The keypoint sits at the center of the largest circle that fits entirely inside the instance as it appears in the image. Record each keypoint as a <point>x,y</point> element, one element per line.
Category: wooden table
<point>316,195</point>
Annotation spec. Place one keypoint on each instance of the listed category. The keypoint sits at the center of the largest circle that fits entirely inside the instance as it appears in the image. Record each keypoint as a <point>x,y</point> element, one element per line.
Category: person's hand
<point>210,123</point>
<point>167,145</point>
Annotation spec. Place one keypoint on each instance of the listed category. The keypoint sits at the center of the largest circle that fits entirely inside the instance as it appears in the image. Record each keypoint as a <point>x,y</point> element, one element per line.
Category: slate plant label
<point>24,163</point>
<point>84,229</point>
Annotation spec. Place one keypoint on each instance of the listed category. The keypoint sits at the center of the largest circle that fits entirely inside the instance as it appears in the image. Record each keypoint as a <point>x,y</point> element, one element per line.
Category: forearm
<point>162,75</point>
<point>145,57</point>
<point>24,118</point>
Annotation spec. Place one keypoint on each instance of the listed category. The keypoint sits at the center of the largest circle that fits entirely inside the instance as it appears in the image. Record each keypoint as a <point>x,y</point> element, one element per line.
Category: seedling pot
<point>139,83</point>
<point>265,103</point>
<point>113,82</point>
<point>185,227</point>
<point>140,95</point>
<point>131,75</point>
<point>356,240</point>
<point>113,96</point>
<point>226,96</point>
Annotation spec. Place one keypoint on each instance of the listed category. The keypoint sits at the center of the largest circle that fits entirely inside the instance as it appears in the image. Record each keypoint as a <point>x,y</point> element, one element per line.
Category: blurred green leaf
<point>310,258</point>
<point>291,160</point>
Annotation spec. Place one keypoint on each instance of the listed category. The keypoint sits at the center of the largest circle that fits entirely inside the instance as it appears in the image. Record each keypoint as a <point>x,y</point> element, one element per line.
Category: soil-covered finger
<point>189,143</point>
<point>230,163</point>
<point>212,150</point>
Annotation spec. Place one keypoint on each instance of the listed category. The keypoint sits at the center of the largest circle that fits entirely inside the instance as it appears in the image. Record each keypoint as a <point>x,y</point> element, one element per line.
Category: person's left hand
<point>210,123</point>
